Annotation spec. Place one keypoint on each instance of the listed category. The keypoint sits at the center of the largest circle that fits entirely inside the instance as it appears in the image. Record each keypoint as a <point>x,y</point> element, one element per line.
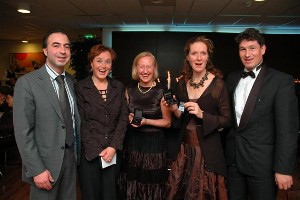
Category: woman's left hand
<point>108,153</point>
<point>193,108</point>
<point>142,123</point>
<point>171,108</point>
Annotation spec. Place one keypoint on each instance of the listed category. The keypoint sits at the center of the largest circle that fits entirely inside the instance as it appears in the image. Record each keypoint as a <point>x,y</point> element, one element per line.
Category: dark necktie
<point>245,74</point>
<point>65,109</point>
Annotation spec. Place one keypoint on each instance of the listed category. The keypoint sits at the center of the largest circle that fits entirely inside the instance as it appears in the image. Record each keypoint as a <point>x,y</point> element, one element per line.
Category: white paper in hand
<point>107,164</point>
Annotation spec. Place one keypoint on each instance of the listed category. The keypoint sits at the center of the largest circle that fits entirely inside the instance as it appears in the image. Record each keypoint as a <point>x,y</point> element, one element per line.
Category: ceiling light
<point>24,41</point>
<point>259,0</point>
<point>24,8</point>
<point>157,1</point>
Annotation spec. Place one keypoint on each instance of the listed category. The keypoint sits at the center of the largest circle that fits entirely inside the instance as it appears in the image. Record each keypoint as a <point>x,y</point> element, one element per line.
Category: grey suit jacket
<point>39,126</point>
<point>266,139</point>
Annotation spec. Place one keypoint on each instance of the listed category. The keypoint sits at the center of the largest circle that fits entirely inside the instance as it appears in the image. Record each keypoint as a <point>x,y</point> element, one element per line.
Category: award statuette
<point>168,94</point>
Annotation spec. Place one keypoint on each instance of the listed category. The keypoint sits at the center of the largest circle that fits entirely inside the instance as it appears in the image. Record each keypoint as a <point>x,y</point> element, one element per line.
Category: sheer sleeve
<point>221,117</point>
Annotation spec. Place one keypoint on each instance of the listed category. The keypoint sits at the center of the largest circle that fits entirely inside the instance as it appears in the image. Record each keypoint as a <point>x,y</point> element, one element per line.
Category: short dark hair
<point>98,49</point>
<point>250,34</point>
<point>6,90</point>
<point>51,31</point>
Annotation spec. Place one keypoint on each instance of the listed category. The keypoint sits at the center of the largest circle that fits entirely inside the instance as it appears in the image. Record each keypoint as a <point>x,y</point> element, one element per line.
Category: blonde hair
<point>134,73</point>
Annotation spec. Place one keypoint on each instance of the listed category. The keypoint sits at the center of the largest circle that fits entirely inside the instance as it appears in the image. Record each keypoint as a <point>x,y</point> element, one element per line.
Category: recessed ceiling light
<point>24,8</point>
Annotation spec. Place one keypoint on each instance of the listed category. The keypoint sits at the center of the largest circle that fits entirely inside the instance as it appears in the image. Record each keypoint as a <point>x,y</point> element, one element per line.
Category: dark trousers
<point>244,187</point>
<point>97,183</point>
<point>65,186</point>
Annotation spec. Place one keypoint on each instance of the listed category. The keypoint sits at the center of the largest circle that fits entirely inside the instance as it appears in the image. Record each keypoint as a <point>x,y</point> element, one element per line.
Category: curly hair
<point>187,70</point>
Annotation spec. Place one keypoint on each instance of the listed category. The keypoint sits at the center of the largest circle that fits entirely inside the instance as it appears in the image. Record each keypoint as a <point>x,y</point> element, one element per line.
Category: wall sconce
<point>24,8</point>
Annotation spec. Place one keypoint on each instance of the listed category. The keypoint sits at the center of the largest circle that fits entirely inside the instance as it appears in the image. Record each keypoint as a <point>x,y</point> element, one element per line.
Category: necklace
<point>201,83</point>
<point>144,92</point>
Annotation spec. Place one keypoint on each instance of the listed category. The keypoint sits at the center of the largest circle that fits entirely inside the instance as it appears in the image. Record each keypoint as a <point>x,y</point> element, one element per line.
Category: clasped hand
<point>193,108</point>
<point>130,118</point>
<point>107,154</point>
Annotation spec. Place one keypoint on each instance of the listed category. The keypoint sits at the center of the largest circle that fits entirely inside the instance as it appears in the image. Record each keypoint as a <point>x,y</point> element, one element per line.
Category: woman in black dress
<point>200,169</point>
<point>145,154</point>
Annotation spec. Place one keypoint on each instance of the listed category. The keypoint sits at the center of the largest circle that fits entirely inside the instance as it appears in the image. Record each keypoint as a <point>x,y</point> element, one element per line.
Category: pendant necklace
<point>201,83</point>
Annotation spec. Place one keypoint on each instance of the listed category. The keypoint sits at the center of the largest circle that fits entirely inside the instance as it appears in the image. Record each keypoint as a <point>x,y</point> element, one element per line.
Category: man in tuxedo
<point>261,146</point>
<point>46,123</point>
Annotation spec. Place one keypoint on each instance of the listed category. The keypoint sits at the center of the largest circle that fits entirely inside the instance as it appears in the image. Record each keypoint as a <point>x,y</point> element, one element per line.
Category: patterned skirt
<point>144,173</point>
<point>188,178</point>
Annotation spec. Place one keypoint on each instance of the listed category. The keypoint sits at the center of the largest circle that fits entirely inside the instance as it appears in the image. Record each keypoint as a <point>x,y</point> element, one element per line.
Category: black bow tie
<point>245,74</point>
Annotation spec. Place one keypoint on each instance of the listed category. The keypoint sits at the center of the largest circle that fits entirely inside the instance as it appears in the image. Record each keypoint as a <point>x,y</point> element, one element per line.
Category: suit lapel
<point>94,95</point>
<point>250,103</point>
<point>234,84</point>
<point>112,91</point>
<point>70,85</point>
<point>47,87</point>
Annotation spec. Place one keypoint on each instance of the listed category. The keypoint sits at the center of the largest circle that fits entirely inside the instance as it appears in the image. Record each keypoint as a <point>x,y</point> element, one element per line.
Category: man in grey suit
<point>261,146</point>
<point>48,144</point>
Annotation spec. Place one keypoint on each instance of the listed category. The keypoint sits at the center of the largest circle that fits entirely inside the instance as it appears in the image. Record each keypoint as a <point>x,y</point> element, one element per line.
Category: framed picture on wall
<point>26,62</point>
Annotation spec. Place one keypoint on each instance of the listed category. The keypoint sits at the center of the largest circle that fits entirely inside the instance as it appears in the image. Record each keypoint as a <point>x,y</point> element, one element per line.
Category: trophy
<point>168,94</point>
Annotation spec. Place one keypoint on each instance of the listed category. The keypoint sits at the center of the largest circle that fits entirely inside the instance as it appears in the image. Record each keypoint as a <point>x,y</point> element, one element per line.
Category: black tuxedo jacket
<point>266,139</point>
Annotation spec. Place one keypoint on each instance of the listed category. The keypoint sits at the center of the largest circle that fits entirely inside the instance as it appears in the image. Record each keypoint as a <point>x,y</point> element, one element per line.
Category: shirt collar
<point>53,74</point>
<point>256,69</point>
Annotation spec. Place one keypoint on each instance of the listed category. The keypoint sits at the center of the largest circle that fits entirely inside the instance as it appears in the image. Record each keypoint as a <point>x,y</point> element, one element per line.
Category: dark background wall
<point>167,47</point>
<point>282,53</point>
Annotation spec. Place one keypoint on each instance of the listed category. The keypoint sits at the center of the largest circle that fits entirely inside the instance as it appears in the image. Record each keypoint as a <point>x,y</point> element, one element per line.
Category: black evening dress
<point>199,170</point>
<point>144,165</point>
